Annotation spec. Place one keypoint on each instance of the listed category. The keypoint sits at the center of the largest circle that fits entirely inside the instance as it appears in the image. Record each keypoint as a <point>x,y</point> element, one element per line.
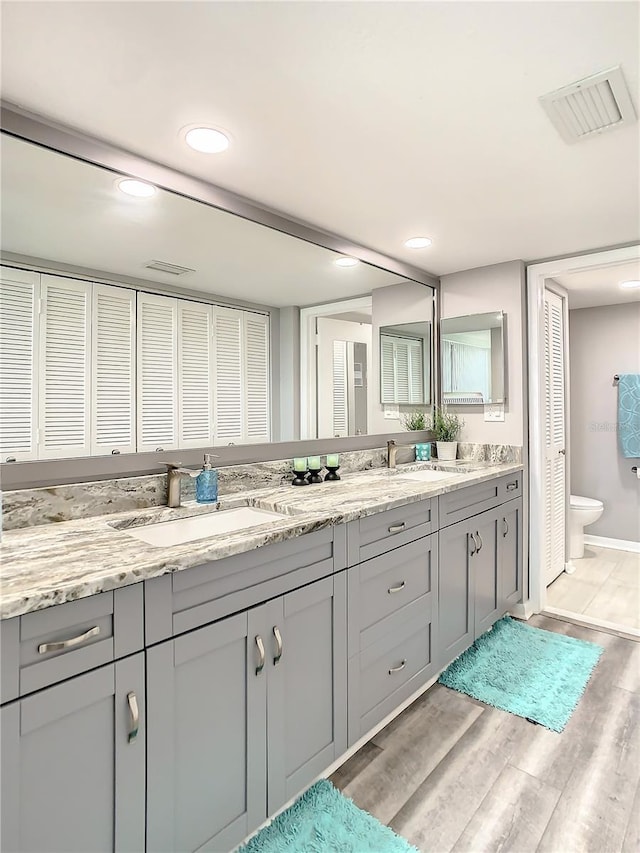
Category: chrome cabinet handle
<point>397,668</point>
<point>512,486</point>
<point>505,528</point>
<point>396,528</point>
<point>260,646</point>
<point>278,636</point>
<point>10,459</point>
<point>132,701</point>
<point>43,648</point>
<point>479,547</point>
<point>397,588</point>
<point>474,543</point>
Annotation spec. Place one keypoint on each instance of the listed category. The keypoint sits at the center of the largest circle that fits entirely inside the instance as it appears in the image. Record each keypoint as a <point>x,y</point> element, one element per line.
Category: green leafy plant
<point>415,420</point>
<point>445,425</point>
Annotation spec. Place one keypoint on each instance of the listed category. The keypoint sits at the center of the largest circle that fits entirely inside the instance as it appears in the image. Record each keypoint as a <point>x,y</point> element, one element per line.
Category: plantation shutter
<point>340,402</point>
<point>195,374</point>
<point>416,375</point>
<point>157,372</point>
<point>401,349</point>
<point>65,368</point>
<point>256,359</point>
<point>113,385</point>
<point>388,372</point>
<point>228,396</point>
<point>19,294</point>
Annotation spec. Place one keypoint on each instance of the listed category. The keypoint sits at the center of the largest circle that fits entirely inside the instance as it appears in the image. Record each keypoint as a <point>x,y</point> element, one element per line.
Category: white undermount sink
<point>164,534</point>
<point>429,476</point>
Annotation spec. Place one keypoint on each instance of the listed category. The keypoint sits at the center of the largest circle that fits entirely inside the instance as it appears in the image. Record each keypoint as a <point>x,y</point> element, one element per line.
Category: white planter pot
<point>447,450</point>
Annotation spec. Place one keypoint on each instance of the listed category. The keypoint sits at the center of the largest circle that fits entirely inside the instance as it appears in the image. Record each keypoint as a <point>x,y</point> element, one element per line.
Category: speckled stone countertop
<point>51,564</point>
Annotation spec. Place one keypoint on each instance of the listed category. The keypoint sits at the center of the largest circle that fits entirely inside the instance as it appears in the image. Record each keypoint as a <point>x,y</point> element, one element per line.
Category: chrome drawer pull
<point>473,542</point>
<point>397,668</point>
<point>400,586</point>
<point>512,486</point>
<point>505,529</point>
<point>396,528</point>
<point>278,636</point>
<point>135,716</point>
<point>43,648</point>
<point>479,546</point>
<point>260,646</point>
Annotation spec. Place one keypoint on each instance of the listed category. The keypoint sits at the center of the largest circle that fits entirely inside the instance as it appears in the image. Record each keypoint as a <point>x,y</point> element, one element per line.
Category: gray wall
<point>603,341</point>
<point>288,348</point>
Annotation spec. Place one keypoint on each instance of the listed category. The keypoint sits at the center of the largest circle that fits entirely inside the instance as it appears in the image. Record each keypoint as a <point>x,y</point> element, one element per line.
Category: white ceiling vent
<point>597,103</point>
<point>170,269</point>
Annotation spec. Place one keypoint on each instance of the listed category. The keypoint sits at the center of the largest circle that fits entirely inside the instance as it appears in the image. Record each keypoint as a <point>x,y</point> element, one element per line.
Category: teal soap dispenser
<point>207,482</point>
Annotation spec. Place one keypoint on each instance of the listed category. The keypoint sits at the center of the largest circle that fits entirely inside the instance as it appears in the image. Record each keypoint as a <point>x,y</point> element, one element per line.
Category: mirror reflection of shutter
<point>65,368</point>
<point>195,374</point>
<point>19,292</point>
<point>256,359</point>
<point>227,404</point>
<point>402,372</point>
<point>113,385</point>
<point>387,373</point>
<point>416,378</point>
<point>157,372</point>
<point>340,411</point>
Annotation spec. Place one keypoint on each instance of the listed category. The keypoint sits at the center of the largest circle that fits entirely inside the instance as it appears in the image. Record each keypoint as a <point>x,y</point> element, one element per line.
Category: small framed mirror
<point>472,359</point>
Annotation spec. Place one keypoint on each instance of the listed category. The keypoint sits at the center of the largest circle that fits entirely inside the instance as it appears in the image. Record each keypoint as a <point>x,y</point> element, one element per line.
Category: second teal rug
<point>323,821</point>
<point>533,673</point>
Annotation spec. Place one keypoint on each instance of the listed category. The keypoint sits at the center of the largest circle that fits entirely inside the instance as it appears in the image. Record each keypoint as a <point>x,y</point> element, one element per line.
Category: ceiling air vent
<point>597,103</point>
<point>170,269</point>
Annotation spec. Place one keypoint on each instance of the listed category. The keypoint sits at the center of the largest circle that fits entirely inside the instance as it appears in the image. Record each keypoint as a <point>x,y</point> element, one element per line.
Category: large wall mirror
<point>154,323</point>
<point>472,357</point>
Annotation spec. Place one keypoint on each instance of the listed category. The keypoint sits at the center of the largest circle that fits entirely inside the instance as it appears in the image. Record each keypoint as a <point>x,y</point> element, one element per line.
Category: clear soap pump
<point>207,482</point>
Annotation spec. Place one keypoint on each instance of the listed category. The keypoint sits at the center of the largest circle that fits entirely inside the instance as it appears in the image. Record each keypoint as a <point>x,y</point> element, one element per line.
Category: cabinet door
<point>484,568</point>
<point>510,538</point>
<point>455,599</point>
<point>206,737</point>
<point>73,773</point>
<point>307,707</point>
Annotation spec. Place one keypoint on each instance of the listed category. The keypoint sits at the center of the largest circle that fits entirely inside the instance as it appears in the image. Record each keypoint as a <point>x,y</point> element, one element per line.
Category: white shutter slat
<point>195,374</point>
<point>228,394</point>
<point>113,362</point>
<point>256,361</point>
<point>19,293</point>
<point>65,368</point>
<point>157,394</point>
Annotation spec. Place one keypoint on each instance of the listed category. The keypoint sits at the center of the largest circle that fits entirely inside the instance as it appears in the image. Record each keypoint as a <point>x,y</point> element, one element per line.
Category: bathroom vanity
<point>189,692</point>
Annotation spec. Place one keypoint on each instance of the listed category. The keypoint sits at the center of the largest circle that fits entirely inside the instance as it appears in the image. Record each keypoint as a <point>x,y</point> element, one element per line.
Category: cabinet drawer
<point>47,646</point>
<point>384,531</point>
<point>471,500</point>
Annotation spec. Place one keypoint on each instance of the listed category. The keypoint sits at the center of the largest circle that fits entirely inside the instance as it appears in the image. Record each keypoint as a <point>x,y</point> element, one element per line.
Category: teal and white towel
<point>629,414</point>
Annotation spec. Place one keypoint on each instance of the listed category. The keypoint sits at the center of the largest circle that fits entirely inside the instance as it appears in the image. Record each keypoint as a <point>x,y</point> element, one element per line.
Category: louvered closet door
<point>195,374</point>
<point>19,292</point>
<point>113,385</point>
<point>554,426</point>
<point>416,373</point>
<point>256,360</point>
<point>340,399</point>
<point>65,368</point>
<point>157,372</point>
<point>228,395</point>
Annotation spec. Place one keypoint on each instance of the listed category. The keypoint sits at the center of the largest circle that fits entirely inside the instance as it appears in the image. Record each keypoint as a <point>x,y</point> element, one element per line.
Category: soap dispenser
<point>207,482</point>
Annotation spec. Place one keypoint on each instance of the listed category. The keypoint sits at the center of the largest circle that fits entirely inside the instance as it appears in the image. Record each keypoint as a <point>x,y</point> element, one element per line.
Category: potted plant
<point>414,420</point>
<point>446,428</point>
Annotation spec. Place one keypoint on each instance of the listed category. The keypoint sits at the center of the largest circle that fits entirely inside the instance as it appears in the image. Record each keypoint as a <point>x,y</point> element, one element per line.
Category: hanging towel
<point>629,414</point>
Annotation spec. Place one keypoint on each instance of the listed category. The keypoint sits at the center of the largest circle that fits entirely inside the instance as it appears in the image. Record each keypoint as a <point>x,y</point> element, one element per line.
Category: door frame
<point>537,274</point>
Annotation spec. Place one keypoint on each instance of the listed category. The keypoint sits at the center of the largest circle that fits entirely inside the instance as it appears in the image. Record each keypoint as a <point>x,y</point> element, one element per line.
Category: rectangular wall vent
<point>170,269</point>
<point>597,103</point>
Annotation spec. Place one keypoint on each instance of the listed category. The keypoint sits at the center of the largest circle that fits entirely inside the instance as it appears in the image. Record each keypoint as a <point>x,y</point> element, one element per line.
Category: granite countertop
<point>54,563</point>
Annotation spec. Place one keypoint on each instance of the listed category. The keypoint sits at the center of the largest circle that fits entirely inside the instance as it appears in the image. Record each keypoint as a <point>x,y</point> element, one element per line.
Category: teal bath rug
<point>527,671</point>
<point>323,821</point>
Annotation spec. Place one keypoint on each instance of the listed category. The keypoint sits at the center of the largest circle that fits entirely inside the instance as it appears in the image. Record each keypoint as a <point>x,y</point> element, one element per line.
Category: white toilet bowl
<point>582,511</point>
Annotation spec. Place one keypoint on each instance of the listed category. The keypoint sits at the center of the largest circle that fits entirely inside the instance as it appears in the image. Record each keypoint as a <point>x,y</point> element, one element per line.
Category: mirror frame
<point>32,128</point>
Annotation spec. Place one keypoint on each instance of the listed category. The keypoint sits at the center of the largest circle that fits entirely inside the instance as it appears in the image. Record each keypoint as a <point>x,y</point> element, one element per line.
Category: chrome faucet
<point>392,451</point>
<point>174,475</point>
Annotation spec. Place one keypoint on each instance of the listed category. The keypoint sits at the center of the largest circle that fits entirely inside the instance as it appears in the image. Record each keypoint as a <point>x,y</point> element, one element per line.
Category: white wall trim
<point>615,544</point>
<point>592,622</point>
<point>536,276</point>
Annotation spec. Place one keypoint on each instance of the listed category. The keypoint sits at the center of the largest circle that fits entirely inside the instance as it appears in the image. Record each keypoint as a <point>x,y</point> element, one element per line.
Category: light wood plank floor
<point>605,585</point>
<point>451,773</point>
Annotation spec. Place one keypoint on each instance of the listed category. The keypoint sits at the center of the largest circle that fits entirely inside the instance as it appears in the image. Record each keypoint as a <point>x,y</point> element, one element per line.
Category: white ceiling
<point>67,211</point>
<point>376,120</point>
<point>593,287</point>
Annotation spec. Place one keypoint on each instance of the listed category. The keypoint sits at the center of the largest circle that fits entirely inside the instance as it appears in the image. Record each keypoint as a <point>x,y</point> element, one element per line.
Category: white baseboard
<point>616,544</point>
<point>592,622</point>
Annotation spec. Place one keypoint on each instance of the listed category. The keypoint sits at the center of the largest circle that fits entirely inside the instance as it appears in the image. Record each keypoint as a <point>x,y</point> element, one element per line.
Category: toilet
<point>582,511</point>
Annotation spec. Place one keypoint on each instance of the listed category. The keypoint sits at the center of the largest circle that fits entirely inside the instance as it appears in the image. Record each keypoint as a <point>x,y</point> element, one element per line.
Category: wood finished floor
<point>605,585</point>
<point>453,774</point>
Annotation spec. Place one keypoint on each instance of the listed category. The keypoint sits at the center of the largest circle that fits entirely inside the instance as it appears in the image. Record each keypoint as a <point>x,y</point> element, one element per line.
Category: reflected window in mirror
<point>472,359</point>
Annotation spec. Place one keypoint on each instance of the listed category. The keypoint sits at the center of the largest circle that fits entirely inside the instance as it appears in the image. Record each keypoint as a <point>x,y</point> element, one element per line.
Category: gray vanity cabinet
<point>511,552</point>
<point>485,568</point>
<point>73,766</point>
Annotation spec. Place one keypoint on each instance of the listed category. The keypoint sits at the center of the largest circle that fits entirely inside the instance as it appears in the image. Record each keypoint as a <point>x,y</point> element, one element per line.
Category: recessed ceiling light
<point>418,242</point>
<point>346,262</point>
<point>629,284</point>
<point>207,140</point>
<point>139,189</point>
